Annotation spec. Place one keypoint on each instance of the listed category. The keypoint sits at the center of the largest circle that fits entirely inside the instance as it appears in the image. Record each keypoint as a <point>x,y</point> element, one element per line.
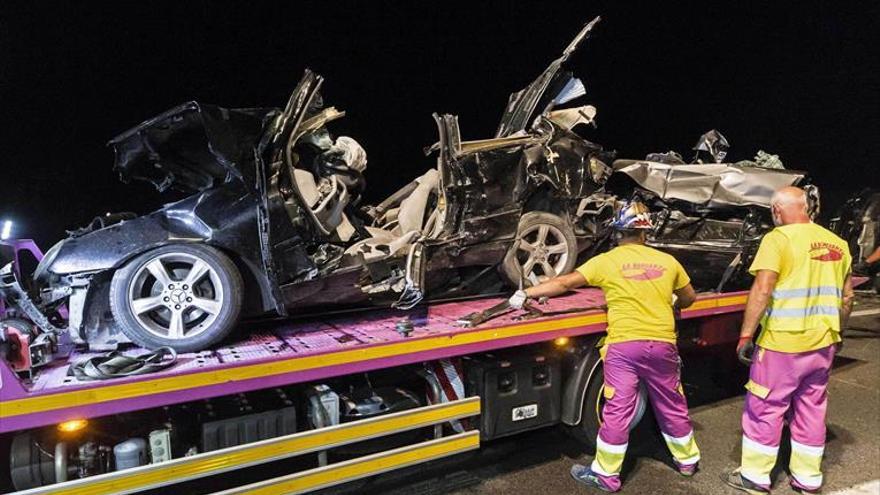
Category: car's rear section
<point>711,217</point>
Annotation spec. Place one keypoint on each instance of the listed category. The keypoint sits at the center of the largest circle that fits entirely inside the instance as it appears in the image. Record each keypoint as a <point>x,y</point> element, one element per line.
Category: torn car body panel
<point>553,84</point>
<point>709,185</point>
<point>711,217</point>
<point>191,147</point>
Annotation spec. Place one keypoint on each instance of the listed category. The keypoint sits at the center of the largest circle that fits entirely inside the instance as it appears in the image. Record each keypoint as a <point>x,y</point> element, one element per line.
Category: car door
<point>286,228</point>
<point>482,188</point>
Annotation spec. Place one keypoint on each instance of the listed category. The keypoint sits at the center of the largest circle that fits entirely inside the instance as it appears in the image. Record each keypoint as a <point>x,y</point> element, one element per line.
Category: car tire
<point>184,296</point>
<point>556,249</point>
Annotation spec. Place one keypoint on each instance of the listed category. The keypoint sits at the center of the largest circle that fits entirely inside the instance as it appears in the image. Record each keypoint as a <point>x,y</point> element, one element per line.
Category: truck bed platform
<point>299,351</point>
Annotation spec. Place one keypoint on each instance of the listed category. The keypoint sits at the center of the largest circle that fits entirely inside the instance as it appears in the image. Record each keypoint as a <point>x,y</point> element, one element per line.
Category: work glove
<point>744,350</point>
<point>517,300</point>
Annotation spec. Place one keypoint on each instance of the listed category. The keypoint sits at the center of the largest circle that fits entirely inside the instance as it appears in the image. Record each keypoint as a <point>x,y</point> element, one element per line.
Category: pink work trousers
<point>658,366</point>
<point>793,386</point>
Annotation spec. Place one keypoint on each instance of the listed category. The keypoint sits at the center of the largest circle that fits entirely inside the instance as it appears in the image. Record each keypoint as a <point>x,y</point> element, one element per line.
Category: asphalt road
<point>539,462</point>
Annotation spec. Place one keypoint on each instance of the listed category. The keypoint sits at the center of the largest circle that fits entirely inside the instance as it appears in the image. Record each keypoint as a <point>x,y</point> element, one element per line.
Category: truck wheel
<point>184,296</point>
<point>30,466</point>
<point>546,248</point>
<point>591,415</point>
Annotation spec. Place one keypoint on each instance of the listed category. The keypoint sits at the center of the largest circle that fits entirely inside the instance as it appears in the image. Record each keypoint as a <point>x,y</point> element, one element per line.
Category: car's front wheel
<point>184,296</point>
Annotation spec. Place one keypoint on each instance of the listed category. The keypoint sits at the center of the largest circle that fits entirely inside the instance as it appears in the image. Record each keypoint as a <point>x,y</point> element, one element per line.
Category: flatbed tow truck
<point>400,387</point>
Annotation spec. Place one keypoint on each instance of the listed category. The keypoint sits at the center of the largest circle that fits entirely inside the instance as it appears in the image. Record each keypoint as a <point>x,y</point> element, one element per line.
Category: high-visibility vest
<point>809,291</point>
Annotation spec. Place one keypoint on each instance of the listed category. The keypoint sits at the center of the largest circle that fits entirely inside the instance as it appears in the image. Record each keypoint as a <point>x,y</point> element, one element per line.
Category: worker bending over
<point>802,296</point>
<point>638,283</point>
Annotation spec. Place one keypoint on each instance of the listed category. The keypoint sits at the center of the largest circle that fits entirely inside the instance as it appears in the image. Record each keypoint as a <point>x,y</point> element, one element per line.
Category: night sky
<point>799,79</point>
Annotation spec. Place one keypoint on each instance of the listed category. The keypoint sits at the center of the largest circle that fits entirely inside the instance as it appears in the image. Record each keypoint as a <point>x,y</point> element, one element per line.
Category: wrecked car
<point>857,221</point>
<point>711,216</point>
<point>273,222</point>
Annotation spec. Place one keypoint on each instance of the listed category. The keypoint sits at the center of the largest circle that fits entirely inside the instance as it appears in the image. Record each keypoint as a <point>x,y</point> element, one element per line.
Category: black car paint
<point>244,202</point>
<point>244,205</point>
<point>192,147</point>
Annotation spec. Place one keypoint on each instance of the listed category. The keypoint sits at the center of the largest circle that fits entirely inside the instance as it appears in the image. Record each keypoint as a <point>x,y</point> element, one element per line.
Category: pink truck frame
<point>297,352</point>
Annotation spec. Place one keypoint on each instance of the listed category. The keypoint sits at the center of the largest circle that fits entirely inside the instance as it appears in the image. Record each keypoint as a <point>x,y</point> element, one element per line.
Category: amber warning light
<point>72,425</point>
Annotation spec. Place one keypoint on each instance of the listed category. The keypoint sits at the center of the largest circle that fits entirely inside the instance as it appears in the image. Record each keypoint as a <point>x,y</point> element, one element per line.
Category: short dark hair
<point>628,233</point>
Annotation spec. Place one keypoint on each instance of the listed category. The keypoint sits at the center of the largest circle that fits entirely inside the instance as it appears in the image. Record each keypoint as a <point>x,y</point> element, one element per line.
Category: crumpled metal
<point>710,185</point>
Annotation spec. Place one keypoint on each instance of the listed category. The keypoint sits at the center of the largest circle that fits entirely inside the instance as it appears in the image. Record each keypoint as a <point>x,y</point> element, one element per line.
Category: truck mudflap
<point>216,462</point>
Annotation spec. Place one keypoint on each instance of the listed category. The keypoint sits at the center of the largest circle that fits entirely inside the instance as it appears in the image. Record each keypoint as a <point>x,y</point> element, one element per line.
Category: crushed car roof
<point>710,185</point>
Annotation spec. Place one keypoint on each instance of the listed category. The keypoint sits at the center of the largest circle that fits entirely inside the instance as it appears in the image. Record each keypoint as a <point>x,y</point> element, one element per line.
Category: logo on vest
<point>642,271</point>
<point>823,251</point>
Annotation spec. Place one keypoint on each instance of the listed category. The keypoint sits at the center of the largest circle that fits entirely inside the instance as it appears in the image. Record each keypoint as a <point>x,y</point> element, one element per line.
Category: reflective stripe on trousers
<point>683,449</point>
<point>657,365</point>
<point>784,385</point>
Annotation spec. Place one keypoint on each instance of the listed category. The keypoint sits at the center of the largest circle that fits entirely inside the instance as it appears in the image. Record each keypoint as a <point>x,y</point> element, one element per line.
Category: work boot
<point>803,489</point>
<point>585,475</point>
<point>736,480</point>
<point>687,470</point>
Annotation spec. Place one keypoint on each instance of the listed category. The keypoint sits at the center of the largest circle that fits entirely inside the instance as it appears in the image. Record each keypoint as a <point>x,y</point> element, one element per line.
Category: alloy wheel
<point>176,295</point>
<point>542,252</point>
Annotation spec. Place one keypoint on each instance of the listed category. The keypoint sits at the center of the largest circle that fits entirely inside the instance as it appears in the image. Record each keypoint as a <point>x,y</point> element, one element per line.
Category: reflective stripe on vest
<point>803,312</point>
<point>825,290</point>
<point>808,294</point>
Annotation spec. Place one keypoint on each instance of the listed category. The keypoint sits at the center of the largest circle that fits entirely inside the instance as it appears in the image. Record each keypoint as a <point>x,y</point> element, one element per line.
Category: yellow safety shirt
<point>638,282</point>
<point>804,312</point>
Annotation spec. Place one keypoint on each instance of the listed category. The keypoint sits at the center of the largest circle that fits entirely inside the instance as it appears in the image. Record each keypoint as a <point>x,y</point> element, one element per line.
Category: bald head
<point>789,205</point>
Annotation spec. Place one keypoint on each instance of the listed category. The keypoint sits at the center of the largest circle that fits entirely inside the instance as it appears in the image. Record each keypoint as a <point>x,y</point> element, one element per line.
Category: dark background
<point>799,79</point>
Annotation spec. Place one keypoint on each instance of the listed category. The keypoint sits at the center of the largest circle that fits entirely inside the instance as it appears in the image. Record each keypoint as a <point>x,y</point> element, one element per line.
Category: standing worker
<point>802,296</point>
<point>638,283</point>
